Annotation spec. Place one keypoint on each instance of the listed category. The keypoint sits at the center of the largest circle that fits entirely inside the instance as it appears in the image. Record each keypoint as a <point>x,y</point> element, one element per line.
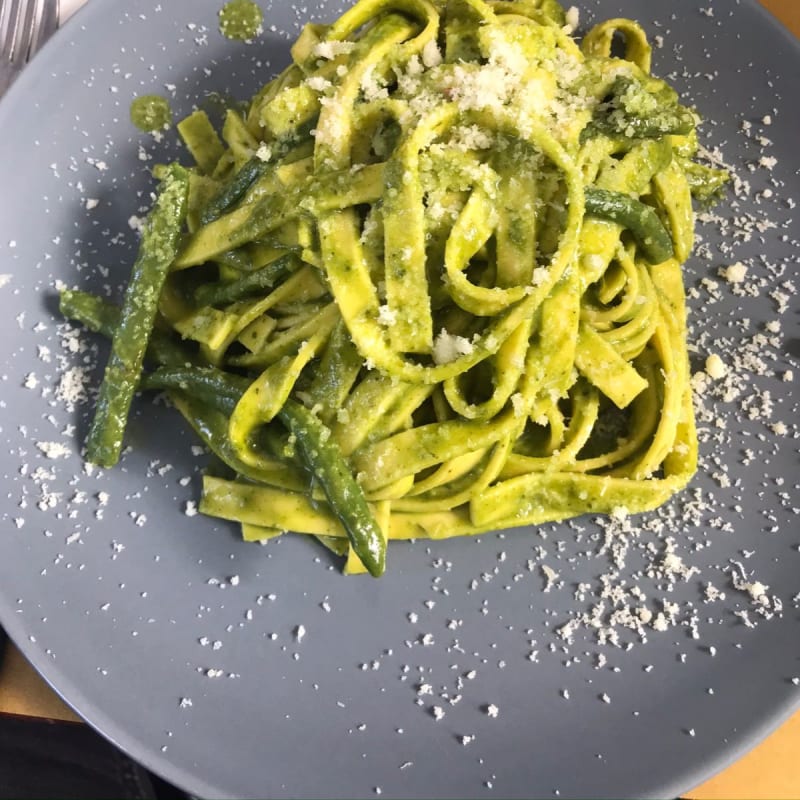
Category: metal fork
<point>25,25</point>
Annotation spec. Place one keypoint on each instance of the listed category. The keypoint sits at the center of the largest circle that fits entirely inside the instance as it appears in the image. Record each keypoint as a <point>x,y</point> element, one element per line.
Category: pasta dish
<point>427,284</point>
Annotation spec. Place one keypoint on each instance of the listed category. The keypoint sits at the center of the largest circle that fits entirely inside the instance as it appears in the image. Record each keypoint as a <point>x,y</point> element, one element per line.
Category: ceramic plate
<point>181,644</point>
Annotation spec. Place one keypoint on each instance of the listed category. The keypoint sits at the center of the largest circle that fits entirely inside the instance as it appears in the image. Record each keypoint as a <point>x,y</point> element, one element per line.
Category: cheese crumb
<point>573,19</point>
<point>735,273</point>
<point>329,50</point>
<point>715,367</point>
<point>550,575</point>
<point>447,347</point>
<point>431,55</point>
<point>386,316</point>
<point>54,449</point>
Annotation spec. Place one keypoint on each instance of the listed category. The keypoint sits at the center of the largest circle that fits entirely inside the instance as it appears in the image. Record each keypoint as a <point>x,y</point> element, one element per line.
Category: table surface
<point>769,771</point>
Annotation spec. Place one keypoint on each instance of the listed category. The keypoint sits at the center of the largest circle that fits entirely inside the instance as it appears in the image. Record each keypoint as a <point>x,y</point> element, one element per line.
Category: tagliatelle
<point>434,275</point>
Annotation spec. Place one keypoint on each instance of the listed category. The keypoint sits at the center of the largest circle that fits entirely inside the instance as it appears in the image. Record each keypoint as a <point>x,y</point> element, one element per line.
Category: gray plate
<point>180,643</point>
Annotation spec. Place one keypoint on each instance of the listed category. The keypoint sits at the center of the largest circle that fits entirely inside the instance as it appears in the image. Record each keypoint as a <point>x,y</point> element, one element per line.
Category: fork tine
<point>25,25</point>
<point>8,26</point>
<point>48,23</point>
<point>23,33</point>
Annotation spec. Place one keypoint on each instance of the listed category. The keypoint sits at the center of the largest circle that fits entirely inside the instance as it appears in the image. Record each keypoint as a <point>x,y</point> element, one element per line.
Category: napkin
<point>67,8</point>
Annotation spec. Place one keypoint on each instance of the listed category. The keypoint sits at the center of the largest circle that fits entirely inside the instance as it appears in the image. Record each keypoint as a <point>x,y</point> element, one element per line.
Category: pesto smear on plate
<point>240,19</point>
<point>151,112</point>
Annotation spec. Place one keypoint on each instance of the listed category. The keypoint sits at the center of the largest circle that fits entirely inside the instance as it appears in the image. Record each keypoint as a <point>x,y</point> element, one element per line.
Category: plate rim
<point>740,742</point>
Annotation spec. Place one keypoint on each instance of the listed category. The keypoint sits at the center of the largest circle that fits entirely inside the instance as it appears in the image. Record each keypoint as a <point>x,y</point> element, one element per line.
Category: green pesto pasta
<point>443,248</point>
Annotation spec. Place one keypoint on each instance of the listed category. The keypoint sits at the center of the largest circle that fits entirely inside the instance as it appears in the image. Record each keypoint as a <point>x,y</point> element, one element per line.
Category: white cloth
<point>67,8</point>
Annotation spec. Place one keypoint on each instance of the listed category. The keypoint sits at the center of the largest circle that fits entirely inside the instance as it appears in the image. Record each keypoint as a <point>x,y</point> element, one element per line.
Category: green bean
<point>641,220</point>
<point>706,183</point>
<point>157,251</point>
<point>672,122</point>
<point>641,108</point>
<point>210,387</point>
<point>252,222</point>
<point>211,426</point>
<point>345,496</point>
<point>235,189</point>
<point>102,316</point>
<point>224,292</point>
<point>213,387</point>
<point>221,391</point>
<point>94,313</point>
<point>217,389</point>
<point>206,397</point>
<point>335,375</point>
<point>235,259</point>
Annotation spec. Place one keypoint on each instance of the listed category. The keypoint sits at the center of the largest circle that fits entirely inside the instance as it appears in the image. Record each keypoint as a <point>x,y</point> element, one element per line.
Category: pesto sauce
<point>240,19</point>
<point>151,112</point>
